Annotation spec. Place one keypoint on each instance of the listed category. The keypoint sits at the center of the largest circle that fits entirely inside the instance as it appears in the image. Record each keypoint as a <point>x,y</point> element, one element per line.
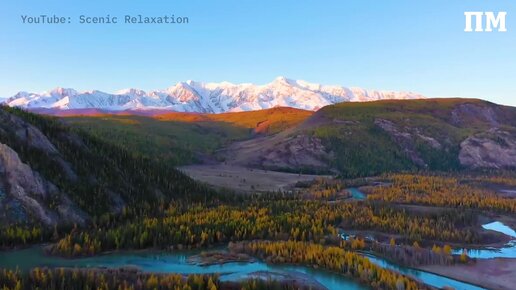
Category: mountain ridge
<point>200,97</point>
<point>370,138</point>
<point>354,139</point>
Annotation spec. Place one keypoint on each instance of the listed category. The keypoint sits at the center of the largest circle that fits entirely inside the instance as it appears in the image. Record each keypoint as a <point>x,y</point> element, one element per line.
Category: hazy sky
<point>407,45</point>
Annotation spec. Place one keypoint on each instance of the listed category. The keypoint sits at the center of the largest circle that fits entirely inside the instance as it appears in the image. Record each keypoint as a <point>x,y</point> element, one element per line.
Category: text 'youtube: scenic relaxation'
<point>108,19</point>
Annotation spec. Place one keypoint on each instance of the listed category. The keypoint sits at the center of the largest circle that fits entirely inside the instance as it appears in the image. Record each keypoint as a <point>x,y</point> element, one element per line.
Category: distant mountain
<point>201,97</point>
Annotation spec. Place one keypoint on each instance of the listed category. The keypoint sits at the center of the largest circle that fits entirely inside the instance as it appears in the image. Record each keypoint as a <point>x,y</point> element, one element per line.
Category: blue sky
<point>404,45</point>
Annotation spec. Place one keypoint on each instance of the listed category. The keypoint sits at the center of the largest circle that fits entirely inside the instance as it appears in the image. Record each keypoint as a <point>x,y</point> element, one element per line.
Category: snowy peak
<point>284,81</point>
<point>131,92</point>
<point>63,92</point>
<point>192,96</point>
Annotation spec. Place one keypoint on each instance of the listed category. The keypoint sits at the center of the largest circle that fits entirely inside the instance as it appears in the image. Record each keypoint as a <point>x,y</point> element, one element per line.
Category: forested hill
<point>370,138</point>
<point>53,175</point>
<point>431,134</point>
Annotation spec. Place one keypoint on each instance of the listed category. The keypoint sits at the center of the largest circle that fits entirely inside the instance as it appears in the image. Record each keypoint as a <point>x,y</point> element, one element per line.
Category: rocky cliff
<point>27,197</point>
<point>53,175</point>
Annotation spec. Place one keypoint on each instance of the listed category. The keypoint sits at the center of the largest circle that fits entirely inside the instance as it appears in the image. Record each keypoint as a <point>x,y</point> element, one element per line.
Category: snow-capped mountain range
<point>191,96</point>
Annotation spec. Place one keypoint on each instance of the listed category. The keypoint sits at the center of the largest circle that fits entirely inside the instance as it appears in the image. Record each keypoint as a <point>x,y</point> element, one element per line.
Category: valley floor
<point>496,273</point>
<point>244,179</point>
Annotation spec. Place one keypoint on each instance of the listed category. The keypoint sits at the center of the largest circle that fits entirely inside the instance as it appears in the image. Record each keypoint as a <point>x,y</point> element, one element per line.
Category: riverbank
<point>219,258</point>
<point>498,273</point>
<point>165,262</point>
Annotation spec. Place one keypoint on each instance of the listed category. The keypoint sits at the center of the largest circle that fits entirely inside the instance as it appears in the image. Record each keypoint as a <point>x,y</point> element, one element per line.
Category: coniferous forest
<point>78,194</point>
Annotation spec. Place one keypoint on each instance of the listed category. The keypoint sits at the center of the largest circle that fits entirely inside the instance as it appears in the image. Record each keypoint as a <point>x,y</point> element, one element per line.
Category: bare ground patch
<point>245,179</point>
<point>490,273</point>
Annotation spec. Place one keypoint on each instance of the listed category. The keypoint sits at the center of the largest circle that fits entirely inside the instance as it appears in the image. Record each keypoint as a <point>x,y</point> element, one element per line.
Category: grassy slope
<point>269,121</point>
<point>179,138</point>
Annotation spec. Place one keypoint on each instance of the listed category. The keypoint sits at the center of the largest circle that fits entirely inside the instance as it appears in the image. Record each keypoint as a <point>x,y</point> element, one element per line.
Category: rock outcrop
<point>282,152</point>
<point>299,151</point>
<point>466,114</point>
<point>406,139</point>
<point>493,149</point>
<point>25,133</point>
<point>26,195</point>
<point>31,137</point>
